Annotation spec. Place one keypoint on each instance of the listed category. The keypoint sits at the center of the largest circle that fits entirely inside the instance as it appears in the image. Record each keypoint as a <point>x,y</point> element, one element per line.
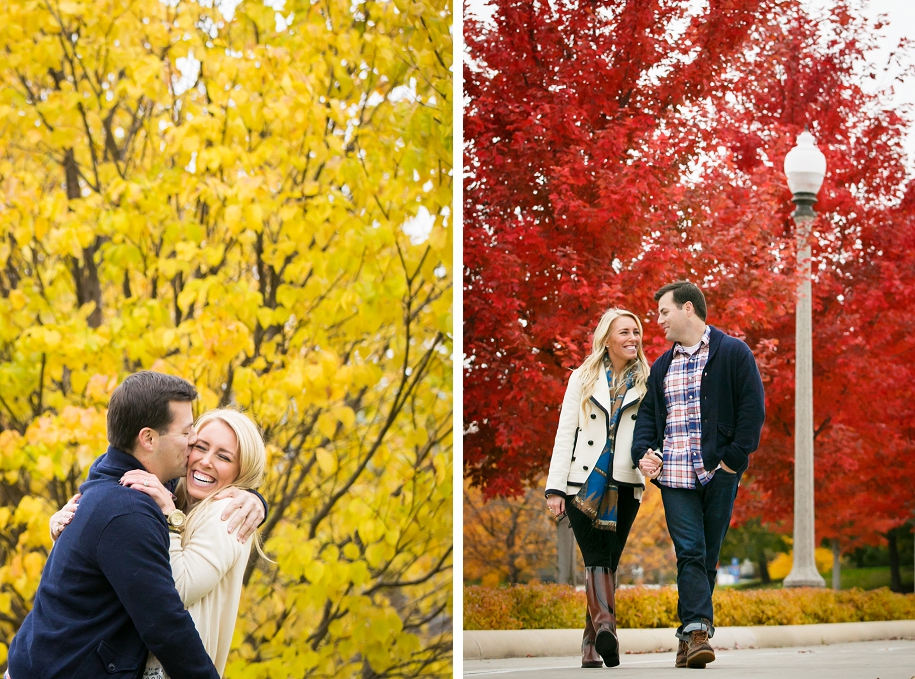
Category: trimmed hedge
<point>549,606</point>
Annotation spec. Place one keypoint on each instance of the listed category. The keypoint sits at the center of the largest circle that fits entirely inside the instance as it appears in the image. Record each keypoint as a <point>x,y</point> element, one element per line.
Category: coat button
<point>111,667</point>
<point>590,443</point>
<point>584,467</point>
<point>593,416</point>
<point>634,416</point>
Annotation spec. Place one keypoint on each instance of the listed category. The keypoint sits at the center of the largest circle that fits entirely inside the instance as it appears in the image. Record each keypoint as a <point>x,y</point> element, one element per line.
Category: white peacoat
<point>583,433</point>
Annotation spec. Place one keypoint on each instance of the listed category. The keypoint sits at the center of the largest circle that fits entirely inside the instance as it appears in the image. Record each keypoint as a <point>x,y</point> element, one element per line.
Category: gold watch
<point>176,521</point>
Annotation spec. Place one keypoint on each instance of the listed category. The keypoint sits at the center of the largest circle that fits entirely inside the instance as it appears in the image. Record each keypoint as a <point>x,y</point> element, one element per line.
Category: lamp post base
<point>804,577</point>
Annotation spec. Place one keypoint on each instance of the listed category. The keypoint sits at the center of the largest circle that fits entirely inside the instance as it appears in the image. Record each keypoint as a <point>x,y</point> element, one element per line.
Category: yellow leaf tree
<point>649,556</point>
<point>507,540</point>
<point>257,197</point>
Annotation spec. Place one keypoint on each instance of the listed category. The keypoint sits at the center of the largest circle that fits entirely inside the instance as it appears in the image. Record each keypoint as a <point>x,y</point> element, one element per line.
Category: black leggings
<point>604,547</point>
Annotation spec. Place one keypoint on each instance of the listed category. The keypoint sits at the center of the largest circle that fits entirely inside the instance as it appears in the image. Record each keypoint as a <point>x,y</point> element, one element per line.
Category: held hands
<point>61,518</point>
<point>650,465</point>
<point>149,484</point>
<point>246,510</point>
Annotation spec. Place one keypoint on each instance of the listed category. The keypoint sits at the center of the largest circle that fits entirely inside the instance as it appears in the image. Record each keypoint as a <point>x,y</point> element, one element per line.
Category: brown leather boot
<point>589,656</point>
<point>681,654</point>
<point>600,590</point>
<point>682,649</point>
<point>700,652</point>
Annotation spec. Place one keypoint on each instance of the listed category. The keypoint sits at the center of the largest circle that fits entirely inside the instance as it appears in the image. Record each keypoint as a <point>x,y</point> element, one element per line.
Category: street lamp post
<point>805,167</point>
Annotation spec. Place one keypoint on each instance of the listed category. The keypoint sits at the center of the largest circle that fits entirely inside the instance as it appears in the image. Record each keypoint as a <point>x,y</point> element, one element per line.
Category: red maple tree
<point>611,147</point>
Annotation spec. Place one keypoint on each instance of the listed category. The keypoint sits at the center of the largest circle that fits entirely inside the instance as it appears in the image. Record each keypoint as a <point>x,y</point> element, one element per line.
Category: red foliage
<point>606,156</point>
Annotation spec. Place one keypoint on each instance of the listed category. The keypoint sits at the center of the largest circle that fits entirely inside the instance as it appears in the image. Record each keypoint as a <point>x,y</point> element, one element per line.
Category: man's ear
<point>690,309</point>
<point>146,440</point>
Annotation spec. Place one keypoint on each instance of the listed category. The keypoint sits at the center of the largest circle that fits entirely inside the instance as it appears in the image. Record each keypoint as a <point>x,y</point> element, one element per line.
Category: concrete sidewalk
<point>860,660</point>
<point>487,645</point>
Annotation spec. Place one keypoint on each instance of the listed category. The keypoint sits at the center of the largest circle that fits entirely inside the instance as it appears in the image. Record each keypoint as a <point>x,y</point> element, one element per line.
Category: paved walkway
<point>861,660</point>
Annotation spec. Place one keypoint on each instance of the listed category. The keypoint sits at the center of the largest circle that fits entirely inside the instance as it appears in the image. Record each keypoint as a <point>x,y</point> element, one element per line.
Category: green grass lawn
<point>871,578</point>
<point>863,578</point>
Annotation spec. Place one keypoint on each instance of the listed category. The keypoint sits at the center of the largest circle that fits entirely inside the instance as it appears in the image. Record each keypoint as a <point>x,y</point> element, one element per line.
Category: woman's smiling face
<point>623,340</point>
<point>213,463</point>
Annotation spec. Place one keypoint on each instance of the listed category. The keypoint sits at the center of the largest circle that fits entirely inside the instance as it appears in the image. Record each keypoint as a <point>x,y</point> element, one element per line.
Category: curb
<point>536,643</point>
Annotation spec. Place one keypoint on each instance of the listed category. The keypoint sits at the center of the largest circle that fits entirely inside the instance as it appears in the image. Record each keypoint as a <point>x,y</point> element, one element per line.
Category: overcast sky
<point>899,15</point>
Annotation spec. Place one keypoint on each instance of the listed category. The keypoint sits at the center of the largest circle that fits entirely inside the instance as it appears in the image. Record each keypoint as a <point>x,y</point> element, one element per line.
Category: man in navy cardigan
<point>697,425</point>
<point>107,596</point>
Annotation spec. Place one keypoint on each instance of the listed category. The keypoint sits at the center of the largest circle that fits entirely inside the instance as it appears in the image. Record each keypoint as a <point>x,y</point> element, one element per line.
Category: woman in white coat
<point>208,563</point>
<point>592,478</point>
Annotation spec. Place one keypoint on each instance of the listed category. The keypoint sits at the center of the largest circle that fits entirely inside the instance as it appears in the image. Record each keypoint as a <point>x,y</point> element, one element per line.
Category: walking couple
<point>141,581</point>
<point>688,423</point>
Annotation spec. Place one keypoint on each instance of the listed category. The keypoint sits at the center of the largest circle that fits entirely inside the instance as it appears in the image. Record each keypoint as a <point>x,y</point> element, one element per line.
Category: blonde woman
<point>208,563</point>
<point>592,479</point>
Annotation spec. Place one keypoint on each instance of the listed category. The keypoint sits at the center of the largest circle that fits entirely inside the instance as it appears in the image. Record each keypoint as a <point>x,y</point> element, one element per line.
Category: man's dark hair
<point>684,292</point>
<point>142,400</point>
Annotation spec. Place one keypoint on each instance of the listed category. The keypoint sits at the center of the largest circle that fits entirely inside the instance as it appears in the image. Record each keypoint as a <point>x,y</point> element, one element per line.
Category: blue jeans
<point>698,520</point>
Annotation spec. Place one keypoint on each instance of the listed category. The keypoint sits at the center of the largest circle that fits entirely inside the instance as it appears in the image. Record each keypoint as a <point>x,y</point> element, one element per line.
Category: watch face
<point>176,518</point>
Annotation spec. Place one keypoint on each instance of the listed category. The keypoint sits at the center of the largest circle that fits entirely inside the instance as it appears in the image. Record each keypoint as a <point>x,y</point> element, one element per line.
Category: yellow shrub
<point>531,606</point>
<point>548,606</point>
<point>780,566</point>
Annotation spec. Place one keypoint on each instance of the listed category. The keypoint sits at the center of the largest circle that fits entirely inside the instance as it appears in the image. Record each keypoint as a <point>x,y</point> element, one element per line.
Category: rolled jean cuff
<point>693,626</point>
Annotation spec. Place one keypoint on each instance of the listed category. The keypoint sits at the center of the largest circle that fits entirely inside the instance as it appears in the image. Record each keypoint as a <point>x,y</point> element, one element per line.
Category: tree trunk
<point>836,565</point>
<point>565,549</point>
<point>895,578</point>
<point>763,569</point>
<point>85,275</point>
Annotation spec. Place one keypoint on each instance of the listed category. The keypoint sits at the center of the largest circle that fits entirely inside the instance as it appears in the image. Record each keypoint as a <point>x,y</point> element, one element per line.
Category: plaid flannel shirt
<point>683,434</point>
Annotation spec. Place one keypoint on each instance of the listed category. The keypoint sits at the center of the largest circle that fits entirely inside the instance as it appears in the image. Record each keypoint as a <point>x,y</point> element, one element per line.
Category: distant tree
<point>506,540</point>
<point>752,540</point>
<point>649,549</point>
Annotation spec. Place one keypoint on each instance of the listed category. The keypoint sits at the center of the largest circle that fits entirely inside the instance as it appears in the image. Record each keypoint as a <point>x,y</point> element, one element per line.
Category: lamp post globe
<point>805,167</point>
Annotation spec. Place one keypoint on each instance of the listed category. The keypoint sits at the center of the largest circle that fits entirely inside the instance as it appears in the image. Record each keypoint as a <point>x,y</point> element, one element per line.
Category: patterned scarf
<point>598,497</point>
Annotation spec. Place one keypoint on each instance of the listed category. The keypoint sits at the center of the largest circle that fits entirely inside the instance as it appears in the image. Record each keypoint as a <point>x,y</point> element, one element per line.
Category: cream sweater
<point>208,565</point>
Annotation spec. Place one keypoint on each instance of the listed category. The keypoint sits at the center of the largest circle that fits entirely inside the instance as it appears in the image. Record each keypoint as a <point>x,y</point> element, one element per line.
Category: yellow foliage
<point>781,565</point>
<point>548,606</point>
<point>649,556</point>
<point>242,225</point>
<point>506,539</point>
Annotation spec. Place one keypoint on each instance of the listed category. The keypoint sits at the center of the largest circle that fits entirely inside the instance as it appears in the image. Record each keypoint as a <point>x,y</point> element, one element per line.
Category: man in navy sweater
<point>107,597</point>
<point>700,420</point>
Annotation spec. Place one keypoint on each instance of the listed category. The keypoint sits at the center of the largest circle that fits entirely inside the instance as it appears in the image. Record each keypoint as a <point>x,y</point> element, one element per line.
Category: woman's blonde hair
<point>593,366</point>
<point>252,462</point>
